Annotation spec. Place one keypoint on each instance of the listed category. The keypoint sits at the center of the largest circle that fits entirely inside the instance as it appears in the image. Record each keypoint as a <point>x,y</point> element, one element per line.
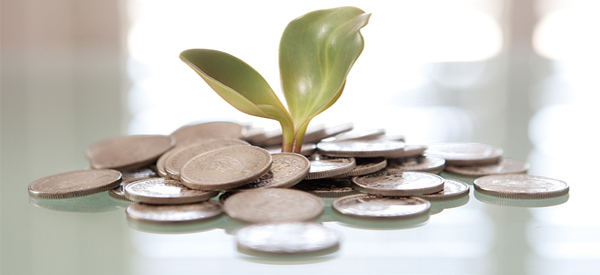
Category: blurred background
<point>517,74</point>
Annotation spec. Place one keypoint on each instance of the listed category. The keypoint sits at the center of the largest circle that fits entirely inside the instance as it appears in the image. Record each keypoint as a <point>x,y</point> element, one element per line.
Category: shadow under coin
<point>178,228</point>
<point>439,206</point>
<point>380,223</point>
<point>288,259</point>
<point>231,225</point>
<point>521,203</point>
<point>96,203</point>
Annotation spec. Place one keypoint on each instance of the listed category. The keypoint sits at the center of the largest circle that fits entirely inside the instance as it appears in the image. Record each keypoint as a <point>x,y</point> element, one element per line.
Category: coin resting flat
<point>273,205</point>
<point>417,164</point>
<point>365,166</point>
<point>461,154</point>
<point>221,129</point>
<point>173,213</point>
<point>364,205</point>
<point>453,189</point>
<point>521,186</point>
<point>287,170</point>
<point>287,238</point>
<point>325,167</point>
<point>163,191</point>
<point>398,183</point>
<point>128,152</point>
<point>75,184</point>
<point>226,168</point>
<point>361,148</point>
<point>504,166</point>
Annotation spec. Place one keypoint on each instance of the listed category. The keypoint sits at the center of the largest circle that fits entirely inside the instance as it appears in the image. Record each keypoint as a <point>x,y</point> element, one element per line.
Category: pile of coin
<point>176,179</point>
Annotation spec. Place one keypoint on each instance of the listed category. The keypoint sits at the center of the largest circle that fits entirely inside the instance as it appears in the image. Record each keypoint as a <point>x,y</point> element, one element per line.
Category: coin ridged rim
<point>173,172</point>
<point>442,196</point>
<point>77,193</point>
<point>402,192</point>
<point>333,172</point>
<point>322,148</point>
<point>359,171</point>
<point>231,207</point>
<point>338,206</point>
<point>464,170</point>
<point>160,164</point>
<point>290,182</point>
<point>129,165</point>
<point>520,195</point>
<point>244,242</point>
<point>148,199</point>
<point>431,169</point>
<point>545,202</point>
<point>225,185</point>
<point>210,215</point>
<point>117,194</point>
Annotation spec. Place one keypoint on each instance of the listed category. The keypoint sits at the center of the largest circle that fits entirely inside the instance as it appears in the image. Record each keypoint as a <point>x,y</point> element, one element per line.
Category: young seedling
<point>316,53</point>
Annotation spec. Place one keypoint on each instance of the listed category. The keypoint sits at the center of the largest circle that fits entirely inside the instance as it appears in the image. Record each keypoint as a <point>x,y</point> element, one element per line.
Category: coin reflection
<point>380,223</point>
<point>519,202</point>
<point>437,207</point>
<point>96,203</point>
<point>183,228</point>
<point>288,259</point>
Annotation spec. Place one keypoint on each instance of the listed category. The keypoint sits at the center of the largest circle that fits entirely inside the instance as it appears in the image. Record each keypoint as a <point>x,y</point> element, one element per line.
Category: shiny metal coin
<point>273,205</point>
<point>453,189</point>
<point>417,164</point>
<point>287,238</point>
<point>163,191</point>
<point>521,186</point>
<point>117,193</point>
<point>180,213</point>
<point>410,151</point>
<point>226,168</point>
<point>398,183</point>
<point>365,166</point>
<point>325,167</point>
<point>464,154</point>
<point>222,129</point>
<point>338,129</point>
<point>364,205</point>
<point>361,149</point>
<point>306,150</point>
<point>75,184</point>
<point>360,135</point>
<point>287,170</point>
<point>138,174</point>
<point>180,156</point>
<point>505,166</point>
<point>128,152</point>
<point>327,188</point>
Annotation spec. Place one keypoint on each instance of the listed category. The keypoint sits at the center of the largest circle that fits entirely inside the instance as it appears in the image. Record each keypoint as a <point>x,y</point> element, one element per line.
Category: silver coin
<point>365,166</point>
<point>287,170</point>
<point>273,205</point>
<point>287,238</point>
<point>521,186</point>
<point>182,155</point>
<point>453,189</point>
<point>410,151</point>
<point>306,150</point>
<point>327,188</point>
<point>325,167</point>
<point>117,193</point>
<point>417,164</point>
<point>360,135</point>
<point>338,129</point>
<point>364,205</point>
<point>504,166</point>
<point>361,148</point>
<point>398,183</point>
<point>137,174</point>
<point>128,152</point>
<point>222,129</point>
<point>180,213</point>
<point>163,191</point>
<point>160,164</point>
<point>463,154</point>
<point>226,168</point>
<point>75,184</point>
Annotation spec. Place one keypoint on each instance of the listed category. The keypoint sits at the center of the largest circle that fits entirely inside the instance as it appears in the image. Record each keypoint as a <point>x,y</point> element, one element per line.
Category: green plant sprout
<point>316,53</point>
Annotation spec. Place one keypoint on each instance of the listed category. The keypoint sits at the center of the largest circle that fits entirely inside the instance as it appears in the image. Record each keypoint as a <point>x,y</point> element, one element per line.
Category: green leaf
<point>316,53</point>
<point>238,83</point>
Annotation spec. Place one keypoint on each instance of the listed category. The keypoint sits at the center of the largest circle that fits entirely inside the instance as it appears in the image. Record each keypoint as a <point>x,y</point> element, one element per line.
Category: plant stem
<point>288,138</point>
<point>299,138</point>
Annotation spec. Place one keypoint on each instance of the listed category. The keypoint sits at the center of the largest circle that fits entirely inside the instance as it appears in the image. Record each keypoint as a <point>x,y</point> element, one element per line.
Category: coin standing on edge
<point>464,154</point>
<point>128,152</point>
<point>365,166</point>
<point>226,168</point>
<point>287,237</point>
<point>182,155</point>
<point>75,184</point>
<point>222,129</point>
<point>287,169</point>
<point>398,183</point>
<point>369,206</point>
<point>453,189</point>
<point>325,167</point>
<point>273,205</point>
<point>180,213</point>
<point>521,186</point>
<point>417,164</point>
<point>361,148</point>
<point>505,166</point>
<point>163,191</point>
